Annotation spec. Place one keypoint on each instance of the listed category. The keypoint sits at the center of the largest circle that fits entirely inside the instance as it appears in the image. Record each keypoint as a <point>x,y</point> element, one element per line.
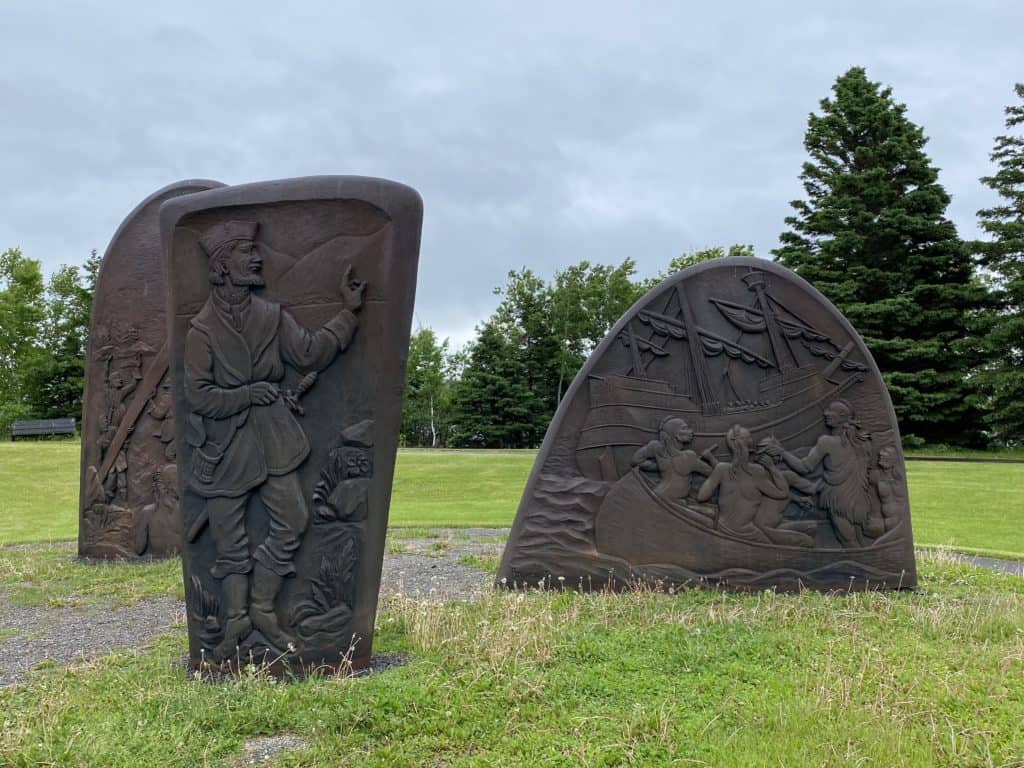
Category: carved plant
<point>330,476</point>
<point>204,609</point>
<point>105,523</point>
<point>332,586</point>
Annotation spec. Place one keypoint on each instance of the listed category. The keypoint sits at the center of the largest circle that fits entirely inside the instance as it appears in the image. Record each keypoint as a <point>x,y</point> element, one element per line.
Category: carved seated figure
<point>770,516</point>
<point>672,460</point>
<point>158,525</point>
<point>752,495</point>
<point>742,485</point>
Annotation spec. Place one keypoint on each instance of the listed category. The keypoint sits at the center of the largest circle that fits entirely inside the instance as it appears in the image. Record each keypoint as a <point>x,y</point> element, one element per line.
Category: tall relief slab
<point>128,504</point>
<point>732,430</point>
<point>291,305</point>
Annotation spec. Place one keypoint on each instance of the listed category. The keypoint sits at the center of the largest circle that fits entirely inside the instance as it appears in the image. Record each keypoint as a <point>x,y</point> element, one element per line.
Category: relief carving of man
<point>742,486</point>
<point>246,441</point>
<point>844,455</point>
<point>119,391</point>
<point>671,456</point>
<point>158,525</point>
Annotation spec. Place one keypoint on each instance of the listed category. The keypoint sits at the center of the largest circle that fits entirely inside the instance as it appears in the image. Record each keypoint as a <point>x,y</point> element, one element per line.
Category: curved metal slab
<point>291,306</point>
<point>732,430</point>
<point>128,504</point>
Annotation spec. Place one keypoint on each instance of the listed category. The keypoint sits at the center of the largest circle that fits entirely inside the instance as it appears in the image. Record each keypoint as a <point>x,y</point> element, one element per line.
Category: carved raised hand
<point>352,291</point>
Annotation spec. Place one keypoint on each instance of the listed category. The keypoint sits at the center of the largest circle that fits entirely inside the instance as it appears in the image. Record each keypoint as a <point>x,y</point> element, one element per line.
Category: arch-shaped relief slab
<point>290,307</point>
<point>731,430</point>
<point>128,503</point>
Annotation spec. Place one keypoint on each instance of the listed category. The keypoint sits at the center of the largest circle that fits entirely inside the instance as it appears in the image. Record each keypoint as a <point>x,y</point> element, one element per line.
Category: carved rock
<point>291,305</point>
<point>732,430</point>
<point>128,505</point>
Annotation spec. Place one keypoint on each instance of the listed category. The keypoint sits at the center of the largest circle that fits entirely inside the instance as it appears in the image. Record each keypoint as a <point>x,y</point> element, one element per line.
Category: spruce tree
<point>1003,256</point>
<point>492,406</point>
<point>872,235</point>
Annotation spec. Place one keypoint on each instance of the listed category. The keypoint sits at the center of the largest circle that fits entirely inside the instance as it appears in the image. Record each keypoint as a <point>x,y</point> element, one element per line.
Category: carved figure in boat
<point>745,487</point>
<point>845,494</point>
<point>672,460</point>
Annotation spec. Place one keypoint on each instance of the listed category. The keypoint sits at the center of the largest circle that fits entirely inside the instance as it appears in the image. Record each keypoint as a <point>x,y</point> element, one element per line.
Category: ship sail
<point>752,320</point>
<point>712,343</point>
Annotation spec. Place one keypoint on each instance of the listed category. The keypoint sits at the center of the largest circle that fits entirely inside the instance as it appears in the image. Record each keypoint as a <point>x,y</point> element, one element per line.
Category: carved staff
<point>146,390</point>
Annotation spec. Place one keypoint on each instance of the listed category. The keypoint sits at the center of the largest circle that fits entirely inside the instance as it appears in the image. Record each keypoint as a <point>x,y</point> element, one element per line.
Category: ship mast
<point>756,282</point>
<point>708,399</point>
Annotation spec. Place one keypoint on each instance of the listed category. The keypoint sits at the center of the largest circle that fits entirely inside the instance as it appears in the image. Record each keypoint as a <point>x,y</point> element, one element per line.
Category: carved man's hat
<point>227,232</point>
<point>360,434</point>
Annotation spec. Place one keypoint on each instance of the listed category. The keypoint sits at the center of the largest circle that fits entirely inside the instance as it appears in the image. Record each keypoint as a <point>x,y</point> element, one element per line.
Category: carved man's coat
<point>222,360</point>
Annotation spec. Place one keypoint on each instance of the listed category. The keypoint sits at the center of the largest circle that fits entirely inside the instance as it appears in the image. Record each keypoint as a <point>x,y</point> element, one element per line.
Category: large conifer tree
<point>872,235</point>
<point>492,405</point>
<point>1003,255</point>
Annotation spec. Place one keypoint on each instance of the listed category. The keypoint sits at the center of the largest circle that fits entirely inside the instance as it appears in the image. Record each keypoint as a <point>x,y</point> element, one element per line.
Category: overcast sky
<point>538,133</point>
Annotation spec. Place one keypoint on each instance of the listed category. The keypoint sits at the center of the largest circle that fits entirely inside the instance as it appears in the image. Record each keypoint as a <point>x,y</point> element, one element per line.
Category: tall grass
<point>557,679</point>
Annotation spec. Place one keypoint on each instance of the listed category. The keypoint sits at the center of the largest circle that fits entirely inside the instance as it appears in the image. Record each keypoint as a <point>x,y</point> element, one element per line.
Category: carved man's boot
<point>235,588</point>
<point>265,586</point>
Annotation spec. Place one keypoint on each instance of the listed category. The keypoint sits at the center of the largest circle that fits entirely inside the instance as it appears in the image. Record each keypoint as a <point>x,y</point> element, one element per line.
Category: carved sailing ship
<point>796,383</point>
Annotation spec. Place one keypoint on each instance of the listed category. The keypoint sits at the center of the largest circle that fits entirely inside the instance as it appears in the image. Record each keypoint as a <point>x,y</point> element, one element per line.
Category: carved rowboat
<point>633,519</point>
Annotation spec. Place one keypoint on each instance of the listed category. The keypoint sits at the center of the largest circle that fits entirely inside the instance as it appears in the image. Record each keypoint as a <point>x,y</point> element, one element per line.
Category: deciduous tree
<point>55,378</point>
<point>22,311</point>
<point>426,409</point>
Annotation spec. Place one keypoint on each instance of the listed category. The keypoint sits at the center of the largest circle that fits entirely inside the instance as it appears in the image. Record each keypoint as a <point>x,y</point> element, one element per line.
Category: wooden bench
<point>42,427</point>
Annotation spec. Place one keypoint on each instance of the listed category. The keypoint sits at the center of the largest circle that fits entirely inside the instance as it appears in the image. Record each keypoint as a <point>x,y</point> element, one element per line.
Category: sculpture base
<point>282,669</point>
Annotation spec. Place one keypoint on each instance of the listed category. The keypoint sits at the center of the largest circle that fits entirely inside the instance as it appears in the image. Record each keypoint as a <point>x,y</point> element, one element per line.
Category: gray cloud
<point>538,134</point>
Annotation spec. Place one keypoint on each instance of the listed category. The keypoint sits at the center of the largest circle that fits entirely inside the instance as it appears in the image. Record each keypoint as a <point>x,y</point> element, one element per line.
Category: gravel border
<point>66,636</point>
<point>1015,567</point>
<point>262,749</point>
<point>31,636</point>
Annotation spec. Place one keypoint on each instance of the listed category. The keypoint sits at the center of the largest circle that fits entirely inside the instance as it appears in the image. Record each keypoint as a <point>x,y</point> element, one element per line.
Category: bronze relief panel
<point>291,305</point>
<point>732,430</point>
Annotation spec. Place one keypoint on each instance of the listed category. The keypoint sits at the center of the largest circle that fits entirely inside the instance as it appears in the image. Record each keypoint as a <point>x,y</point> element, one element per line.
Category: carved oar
<point>150,382</point>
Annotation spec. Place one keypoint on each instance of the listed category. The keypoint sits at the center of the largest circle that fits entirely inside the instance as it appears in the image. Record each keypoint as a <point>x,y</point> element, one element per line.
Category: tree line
<point>943,316</point>
<point>44,331</point>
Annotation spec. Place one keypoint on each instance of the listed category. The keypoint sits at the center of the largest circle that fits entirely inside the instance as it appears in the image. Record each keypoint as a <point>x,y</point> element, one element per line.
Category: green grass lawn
<point>38,490</point>
<point>970,507</point>
<point>973,507</point>
<point>697,678</point>
<point>458,488</point>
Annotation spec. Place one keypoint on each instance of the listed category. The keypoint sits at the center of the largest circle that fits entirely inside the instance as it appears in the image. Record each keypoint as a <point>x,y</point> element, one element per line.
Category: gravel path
<point>30,636</point>
<point>429,567</point>
<point>1016,567</point>
<point>66,635</point>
